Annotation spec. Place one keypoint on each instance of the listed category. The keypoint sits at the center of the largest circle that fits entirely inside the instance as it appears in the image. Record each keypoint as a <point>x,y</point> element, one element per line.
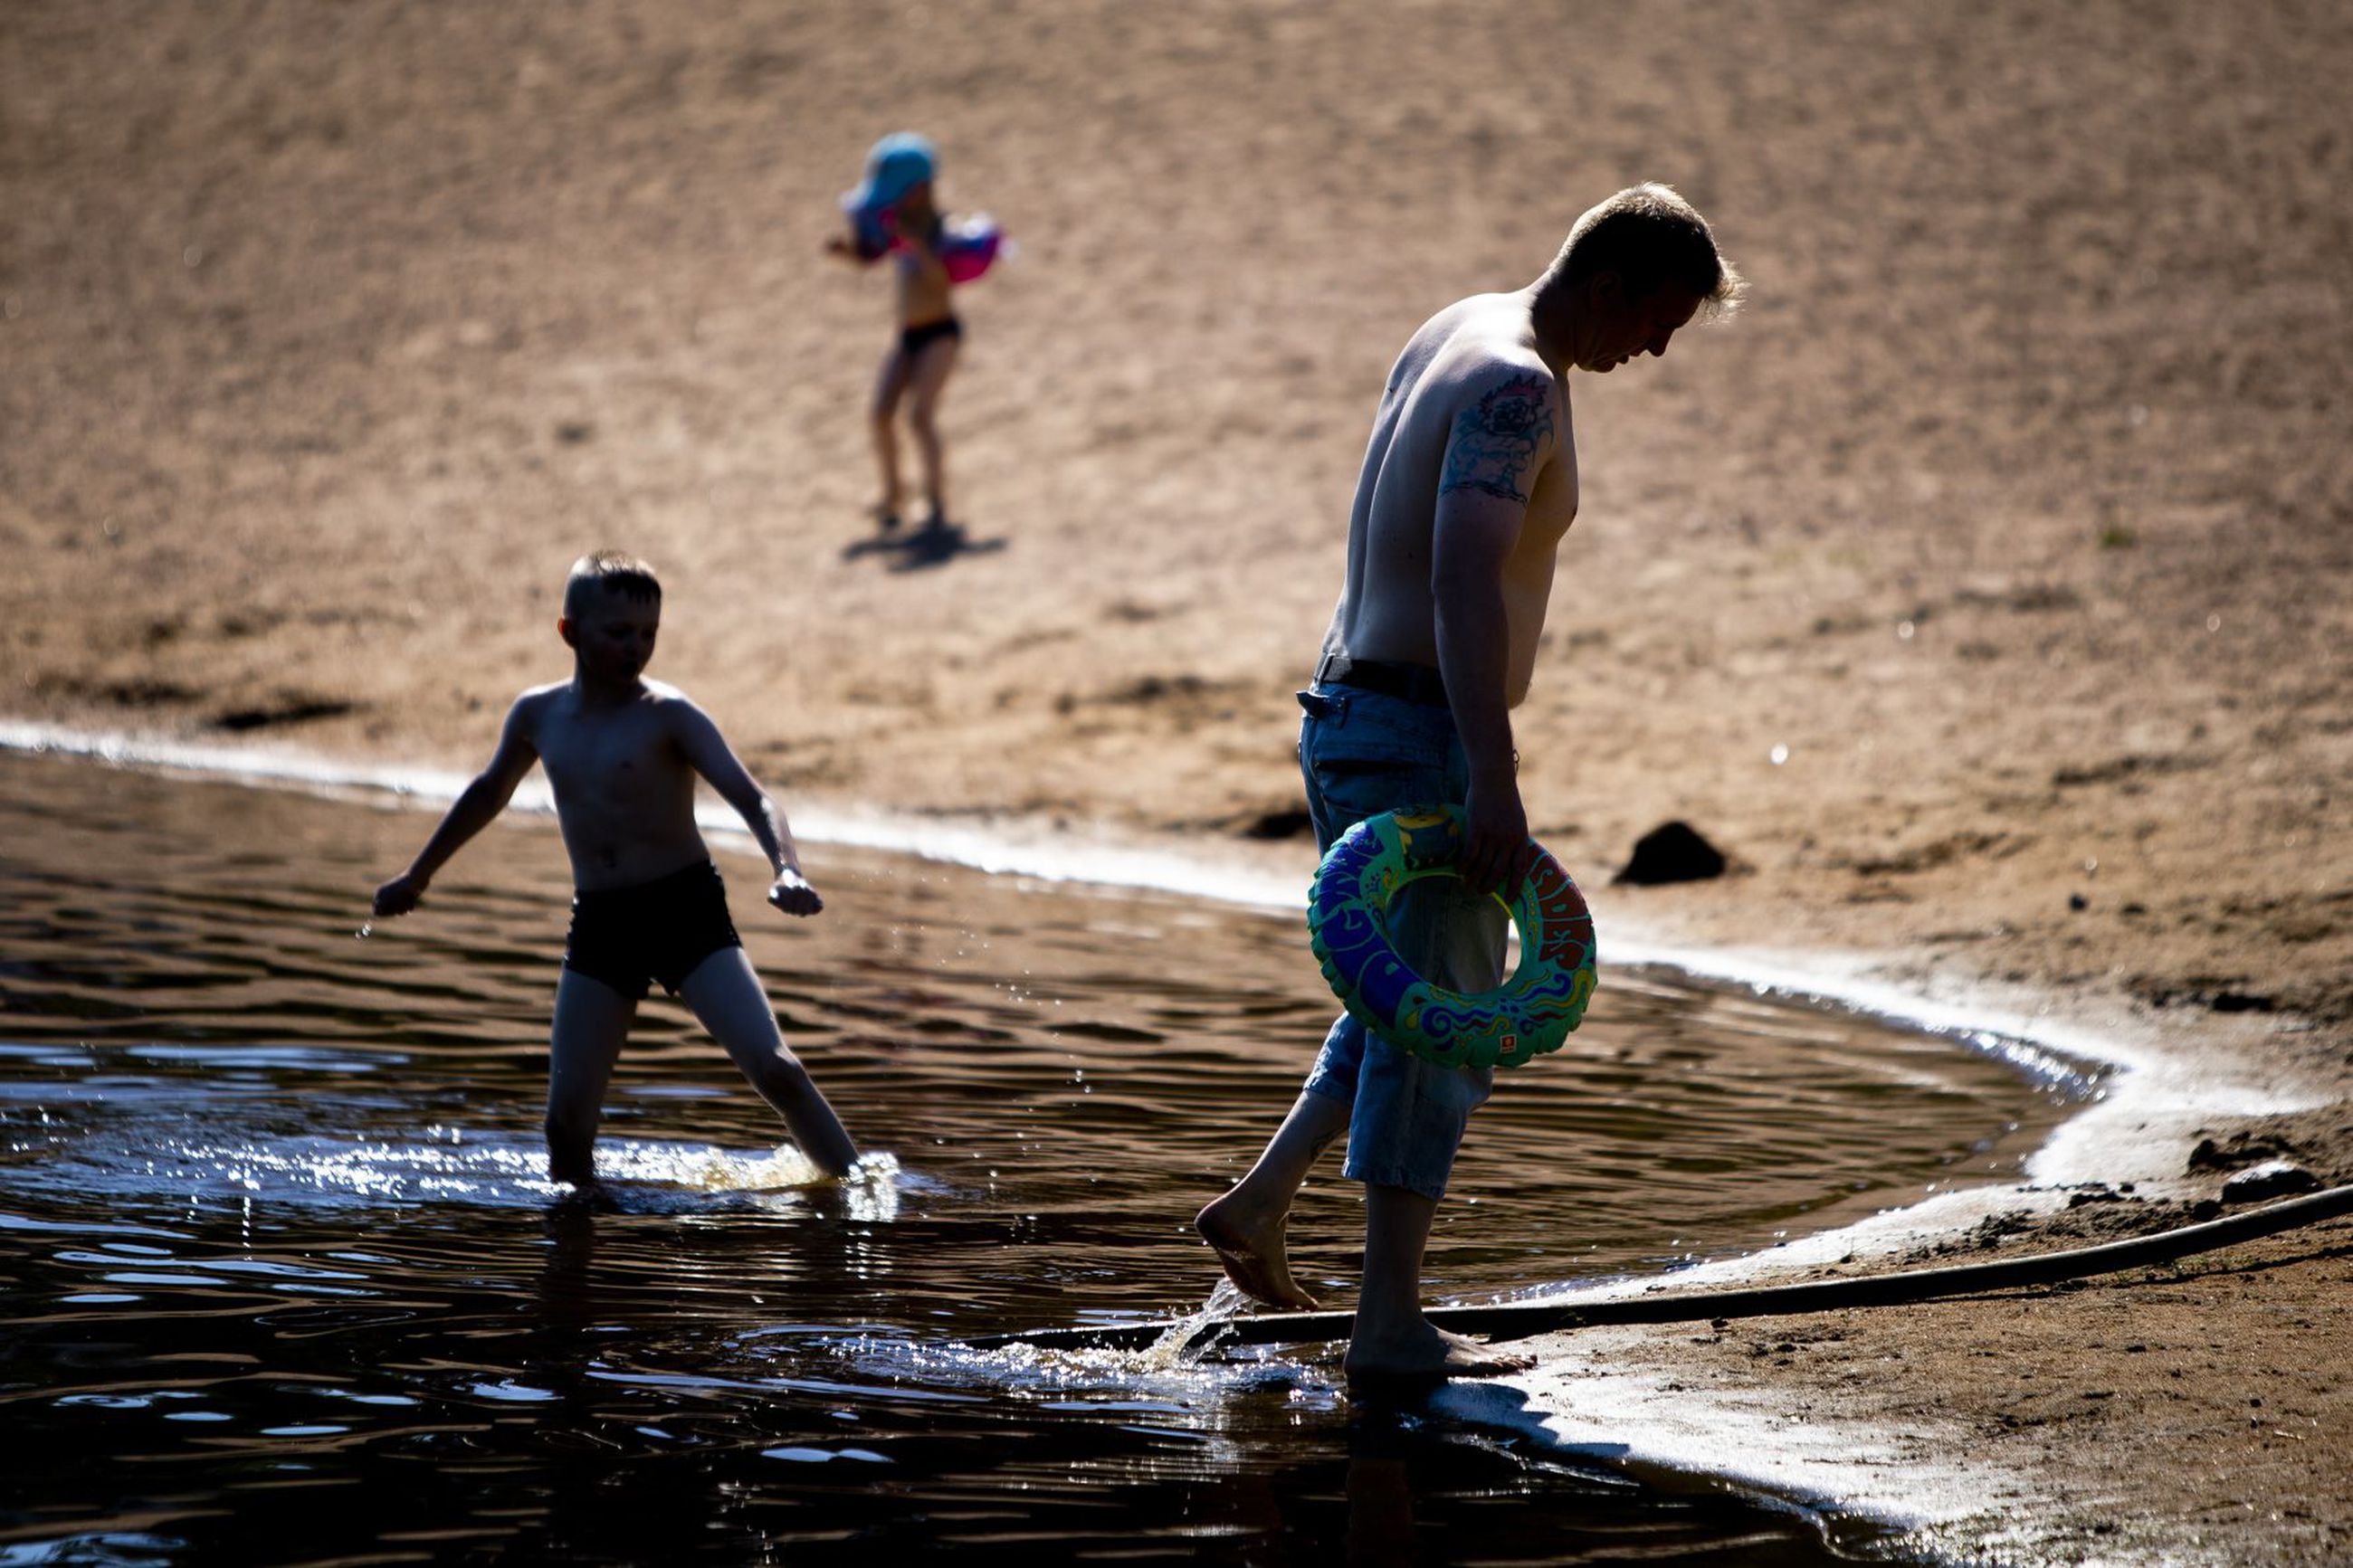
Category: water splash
<point>1181,1365</point>
<point>1189,1341</point>
<point>443,1165</point>
<point>1182,1372</point>
<point>870,1191</point>
<point>708,1169</point>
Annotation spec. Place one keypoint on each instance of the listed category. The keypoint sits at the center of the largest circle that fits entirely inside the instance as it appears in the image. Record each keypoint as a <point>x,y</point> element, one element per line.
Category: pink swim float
<point>969,246</point>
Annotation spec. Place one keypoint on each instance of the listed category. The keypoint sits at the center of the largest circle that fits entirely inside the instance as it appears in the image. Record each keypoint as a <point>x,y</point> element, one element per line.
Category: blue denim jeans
<point>1362,753</point>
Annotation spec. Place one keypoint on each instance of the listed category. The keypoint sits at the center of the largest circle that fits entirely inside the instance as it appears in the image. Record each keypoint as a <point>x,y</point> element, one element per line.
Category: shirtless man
<point>622,754</point>
<point>1468,486</point>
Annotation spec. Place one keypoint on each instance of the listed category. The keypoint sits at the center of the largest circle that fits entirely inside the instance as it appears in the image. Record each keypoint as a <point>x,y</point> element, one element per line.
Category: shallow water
<point>283,1283</point>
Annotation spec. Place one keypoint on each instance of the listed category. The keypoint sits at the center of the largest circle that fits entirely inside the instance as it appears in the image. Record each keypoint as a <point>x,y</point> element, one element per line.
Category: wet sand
<point>1983,592</point>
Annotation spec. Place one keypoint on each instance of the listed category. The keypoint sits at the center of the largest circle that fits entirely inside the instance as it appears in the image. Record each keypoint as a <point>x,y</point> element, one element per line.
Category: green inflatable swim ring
<point>1347,920</point>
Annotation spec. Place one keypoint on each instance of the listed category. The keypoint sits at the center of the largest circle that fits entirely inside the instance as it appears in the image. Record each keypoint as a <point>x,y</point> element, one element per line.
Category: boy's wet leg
<point>1247,1225</point>
<point>724,993</point>
<point>592,1020</point>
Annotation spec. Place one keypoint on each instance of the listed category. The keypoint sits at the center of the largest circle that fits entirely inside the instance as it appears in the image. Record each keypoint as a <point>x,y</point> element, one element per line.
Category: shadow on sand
<point>934,544</point>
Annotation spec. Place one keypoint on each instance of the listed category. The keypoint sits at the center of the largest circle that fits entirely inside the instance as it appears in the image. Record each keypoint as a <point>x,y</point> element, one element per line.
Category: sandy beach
<point>1983,591</point>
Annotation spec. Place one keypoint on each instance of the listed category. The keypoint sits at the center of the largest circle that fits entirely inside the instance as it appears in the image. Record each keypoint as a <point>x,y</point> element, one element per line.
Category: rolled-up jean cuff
<point>1414,1181</point>
<point>1329,1086</point>
<point>1340,1065</point>
<point>1408,1120</point>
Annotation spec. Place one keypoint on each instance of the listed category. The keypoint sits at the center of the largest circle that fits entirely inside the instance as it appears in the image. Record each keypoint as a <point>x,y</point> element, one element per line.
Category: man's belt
<point>1413,682</point>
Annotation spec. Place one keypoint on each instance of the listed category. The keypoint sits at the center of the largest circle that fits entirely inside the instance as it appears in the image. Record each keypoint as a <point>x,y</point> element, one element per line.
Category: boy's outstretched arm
<point>708,753</point>
<point>477,806</point>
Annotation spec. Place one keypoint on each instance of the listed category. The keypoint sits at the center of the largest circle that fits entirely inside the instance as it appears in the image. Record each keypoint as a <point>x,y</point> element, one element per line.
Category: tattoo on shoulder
<point>1496,440</point>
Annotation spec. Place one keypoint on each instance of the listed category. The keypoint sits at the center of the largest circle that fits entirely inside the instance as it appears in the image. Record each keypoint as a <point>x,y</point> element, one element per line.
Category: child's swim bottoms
<point>913,341</point>
<point>629,937</point>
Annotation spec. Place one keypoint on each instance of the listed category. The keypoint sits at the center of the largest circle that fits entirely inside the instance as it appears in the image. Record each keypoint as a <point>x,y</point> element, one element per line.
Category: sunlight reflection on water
<point>275,1206</point>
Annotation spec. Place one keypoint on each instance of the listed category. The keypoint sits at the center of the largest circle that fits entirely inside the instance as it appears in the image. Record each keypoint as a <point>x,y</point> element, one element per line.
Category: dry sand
<point>1984,590</point>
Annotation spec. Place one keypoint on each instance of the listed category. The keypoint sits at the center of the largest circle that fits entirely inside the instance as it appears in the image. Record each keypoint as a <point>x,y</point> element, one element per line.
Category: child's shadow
<point>934,544</point>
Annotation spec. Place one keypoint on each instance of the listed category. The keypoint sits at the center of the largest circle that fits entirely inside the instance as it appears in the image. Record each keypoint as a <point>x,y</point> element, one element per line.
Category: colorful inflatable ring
<point>1530,1013</point>
<point>968,246</point>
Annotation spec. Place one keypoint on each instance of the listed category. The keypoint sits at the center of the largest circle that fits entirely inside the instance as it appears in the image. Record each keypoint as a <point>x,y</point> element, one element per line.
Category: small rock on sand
<point>1672,852</point>
<point>2271,1179</point>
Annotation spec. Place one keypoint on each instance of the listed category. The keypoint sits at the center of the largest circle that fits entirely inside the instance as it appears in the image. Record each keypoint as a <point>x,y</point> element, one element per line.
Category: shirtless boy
<point>622,754</point>
<point>1468,486</point>
<point>899,171</point>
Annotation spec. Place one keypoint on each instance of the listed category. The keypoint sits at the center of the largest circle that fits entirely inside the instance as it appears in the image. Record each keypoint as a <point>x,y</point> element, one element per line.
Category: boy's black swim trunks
<point>629,937</point>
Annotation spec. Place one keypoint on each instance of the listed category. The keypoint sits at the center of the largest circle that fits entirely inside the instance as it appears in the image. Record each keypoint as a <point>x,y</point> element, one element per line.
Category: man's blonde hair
<point>1652,238</point>
<point>604,572</point>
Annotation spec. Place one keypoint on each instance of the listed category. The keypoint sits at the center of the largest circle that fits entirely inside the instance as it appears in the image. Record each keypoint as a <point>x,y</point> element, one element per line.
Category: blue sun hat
<point>895,166</point>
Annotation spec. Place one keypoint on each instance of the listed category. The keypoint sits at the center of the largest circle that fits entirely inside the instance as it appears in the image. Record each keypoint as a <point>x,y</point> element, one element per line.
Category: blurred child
<point>892,214</point>
<point>622,754</point>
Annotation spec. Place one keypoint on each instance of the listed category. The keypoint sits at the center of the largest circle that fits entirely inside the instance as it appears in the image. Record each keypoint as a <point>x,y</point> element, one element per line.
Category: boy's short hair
<point>606,572</point>
<point>1652,238</point>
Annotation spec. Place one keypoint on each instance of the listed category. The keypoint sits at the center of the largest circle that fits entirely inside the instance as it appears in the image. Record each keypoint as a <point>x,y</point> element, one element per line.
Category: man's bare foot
<point>1426,1352</point>
<point>1251,1249</point>
<point>885,514</point>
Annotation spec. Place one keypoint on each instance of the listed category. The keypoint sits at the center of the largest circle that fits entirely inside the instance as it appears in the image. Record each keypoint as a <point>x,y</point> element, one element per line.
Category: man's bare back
<point>1469,485</point>
<point>1471,374</point>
